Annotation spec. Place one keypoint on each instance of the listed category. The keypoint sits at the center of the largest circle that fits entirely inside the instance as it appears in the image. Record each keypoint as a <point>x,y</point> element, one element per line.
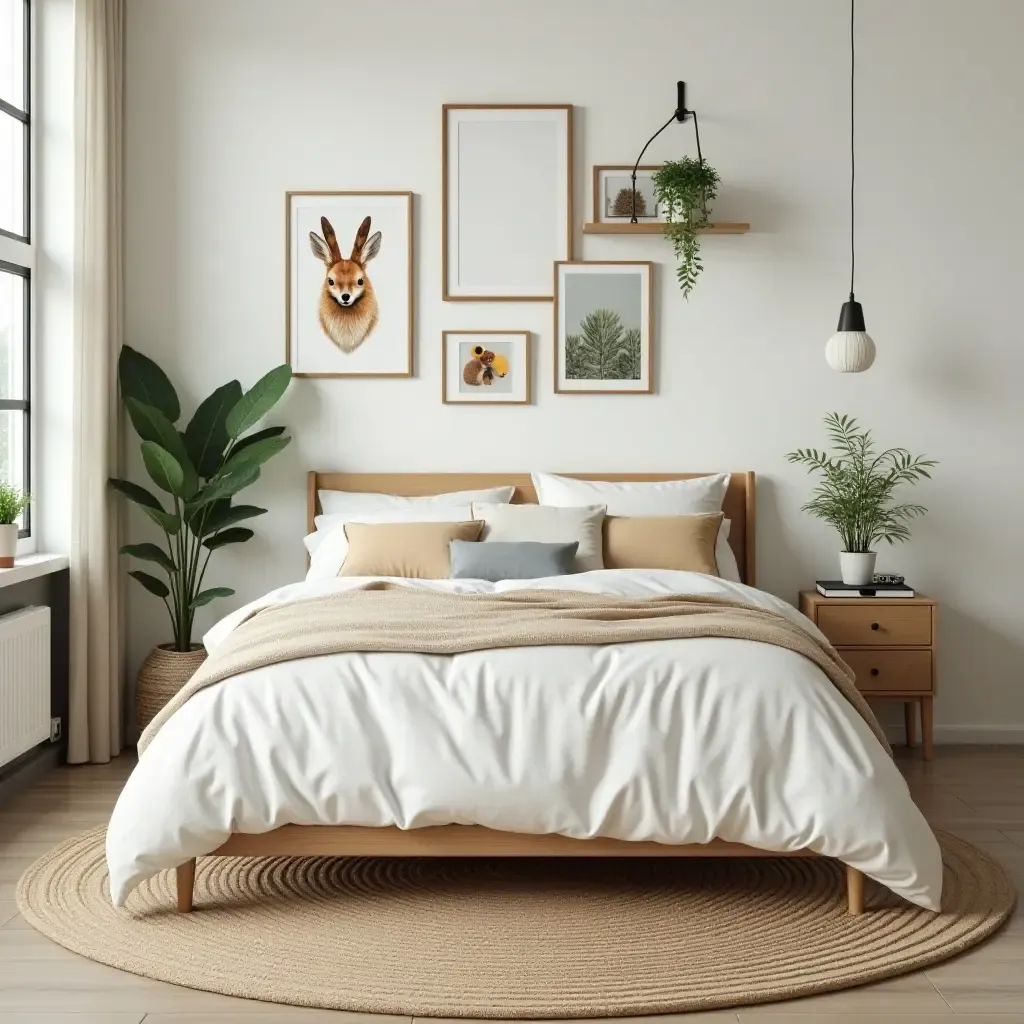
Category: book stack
<point>877,588</point>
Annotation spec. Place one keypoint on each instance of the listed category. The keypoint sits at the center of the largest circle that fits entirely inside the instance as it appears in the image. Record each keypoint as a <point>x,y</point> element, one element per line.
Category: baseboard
<point>23,771</point>
<point>964,734</point>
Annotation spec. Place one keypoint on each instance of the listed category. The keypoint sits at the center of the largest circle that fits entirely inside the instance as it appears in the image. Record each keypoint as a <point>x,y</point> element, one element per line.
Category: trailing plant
<point>686,187</point>
<point>13,501</point>
<point>603,350</point>
<point>855,494</point>
<point>201,469</point>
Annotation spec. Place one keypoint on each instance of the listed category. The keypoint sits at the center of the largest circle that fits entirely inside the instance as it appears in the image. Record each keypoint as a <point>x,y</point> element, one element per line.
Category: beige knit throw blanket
<point>392,617</point>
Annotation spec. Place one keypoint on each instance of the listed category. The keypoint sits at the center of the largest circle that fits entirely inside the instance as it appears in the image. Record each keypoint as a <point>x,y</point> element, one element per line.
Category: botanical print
<point>603,350</point>
<point>347,308</point>
<point>350,284</point>
<point>486,367</point>
<point>602,327</point>
<point>618,197</point>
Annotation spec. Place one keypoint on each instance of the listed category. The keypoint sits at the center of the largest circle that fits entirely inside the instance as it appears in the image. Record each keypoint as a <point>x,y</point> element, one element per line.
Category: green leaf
<point>150,553</point>
<point>224,514</point>
<point>206,596</point>
<point>259,400</point>
<point>169,522</point>
<point>151,583</point>
<point>152,425</point>
<point>236,535</point>
<point>142,379</point>
<point>224,485</point>
<point>206,435</point>
<point>136,493</point>
<point>163,469</point>
<point>254,455</point>
<point>260,435</point>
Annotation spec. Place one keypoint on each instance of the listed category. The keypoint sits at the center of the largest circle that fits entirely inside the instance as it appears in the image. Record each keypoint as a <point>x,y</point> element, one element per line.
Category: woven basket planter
<point>162,675</point>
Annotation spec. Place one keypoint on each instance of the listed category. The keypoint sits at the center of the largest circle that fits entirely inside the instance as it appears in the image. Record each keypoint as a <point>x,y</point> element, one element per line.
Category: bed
<point>859,812</point>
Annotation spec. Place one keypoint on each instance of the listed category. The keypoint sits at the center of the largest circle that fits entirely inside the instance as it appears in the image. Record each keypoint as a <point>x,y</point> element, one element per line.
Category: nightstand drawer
<point>887,625</point>
<point>885,671</point>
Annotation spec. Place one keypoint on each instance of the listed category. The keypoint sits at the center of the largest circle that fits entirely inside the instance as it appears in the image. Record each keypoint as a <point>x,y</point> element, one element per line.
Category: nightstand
<point>890,644</point>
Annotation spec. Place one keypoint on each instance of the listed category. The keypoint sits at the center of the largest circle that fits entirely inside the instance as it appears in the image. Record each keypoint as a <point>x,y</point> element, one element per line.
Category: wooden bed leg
<point>854,890</point>
<point>186,881</point>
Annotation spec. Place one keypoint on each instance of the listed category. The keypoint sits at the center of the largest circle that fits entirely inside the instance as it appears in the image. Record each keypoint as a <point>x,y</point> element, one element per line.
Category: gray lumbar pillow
<point>511,560</point>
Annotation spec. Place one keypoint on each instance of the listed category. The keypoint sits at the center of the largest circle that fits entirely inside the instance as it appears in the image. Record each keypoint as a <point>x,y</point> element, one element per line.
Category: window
<point>17,252</point>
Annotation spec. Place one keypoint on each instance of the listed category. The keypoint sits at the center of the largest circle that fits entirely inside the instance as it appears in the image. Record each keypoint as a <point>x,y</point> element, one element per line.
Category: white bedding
<point>675,741</point>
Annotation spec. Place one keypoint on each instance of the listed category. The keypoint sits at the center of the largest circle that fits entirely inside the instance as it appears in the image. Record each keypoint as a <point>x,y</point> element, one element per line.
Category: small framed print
<point>613,195</point>
<point>349,296</point>
<point>485,367</point>
<point>603,328</point>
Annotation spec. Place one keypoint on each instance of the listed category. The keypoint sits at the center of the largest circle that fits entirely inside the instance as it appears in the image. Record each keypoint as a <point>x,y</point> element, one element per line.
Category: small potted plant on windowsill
<point>856,493</point>
<point>13,502</point>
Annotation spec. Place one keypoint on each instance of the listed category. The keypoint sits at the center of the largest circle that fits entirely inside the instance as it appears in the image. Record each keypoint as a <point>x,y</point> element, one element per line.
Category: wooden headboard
<point>738,505</point>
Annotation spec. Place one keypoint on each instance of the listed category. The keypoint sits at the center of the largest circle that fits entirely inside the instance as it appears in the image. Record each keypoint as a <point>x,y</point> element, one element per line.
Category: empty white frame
<point>506,199</point>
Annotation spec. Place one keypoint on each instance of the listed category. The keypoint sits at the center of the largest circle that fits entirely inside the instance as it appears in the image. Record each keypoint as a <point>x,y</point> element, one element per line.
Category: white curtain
<point>96,726</point>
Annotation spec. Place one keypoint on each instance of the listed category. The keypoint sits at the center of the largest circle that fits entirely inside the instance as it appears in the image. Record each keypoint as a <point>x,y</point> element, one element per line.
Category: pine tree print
<point>603,350</point>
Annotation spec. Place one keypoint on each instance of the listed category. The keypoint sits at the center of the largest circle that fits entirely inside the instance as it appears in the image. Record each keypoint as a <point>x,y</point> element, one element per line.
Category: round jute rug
<point>510,938</point>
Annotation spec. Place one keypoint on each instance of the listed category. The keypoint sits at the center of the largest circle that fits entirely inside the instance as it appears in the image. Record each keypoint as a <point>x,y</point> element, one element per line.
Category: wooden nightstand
<point>890,644</point>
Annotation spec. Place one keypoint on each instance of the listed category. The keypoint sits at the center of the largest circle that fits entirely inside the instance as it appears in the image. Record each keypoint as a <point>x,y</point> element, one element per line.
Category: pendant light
<point>850,349</point>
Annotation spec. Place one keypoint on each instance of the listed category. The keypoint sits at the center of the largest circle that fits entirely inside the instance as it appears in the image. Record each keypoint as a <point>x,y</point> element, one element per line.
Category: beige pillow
<point>662,542</point>
<point>413,550</point>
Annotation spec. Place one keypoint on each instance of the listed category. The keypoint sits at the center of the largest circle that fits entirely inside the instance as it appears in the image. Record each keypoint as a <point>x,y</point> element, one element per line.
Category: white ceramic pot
<point>857,567</point>
<point>8,544</point>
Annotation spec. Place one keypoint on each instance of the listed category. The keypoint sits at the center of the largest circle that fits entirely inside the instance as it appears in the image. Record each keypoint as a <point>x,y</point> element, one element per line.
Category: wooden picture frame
<point>598,174</point>
<point>520,390</point>
<point>308,349</point>
<point>477,164</point>
<point>627,319</point>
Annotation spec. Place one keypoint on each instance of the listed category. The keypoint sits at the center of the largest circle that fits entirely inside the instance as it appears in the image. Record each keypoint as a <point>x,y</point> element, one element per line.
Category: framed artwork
<point>603,328</point>
<point>349,303</point>
<point>506,200</point>
<point>485,367</point>
<point>613,194</point>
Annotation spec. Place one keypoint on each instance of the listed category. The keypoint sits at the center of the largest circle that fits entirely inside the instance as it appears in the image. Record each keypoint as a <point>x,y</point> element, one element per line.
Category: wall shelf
<point>655,228</point>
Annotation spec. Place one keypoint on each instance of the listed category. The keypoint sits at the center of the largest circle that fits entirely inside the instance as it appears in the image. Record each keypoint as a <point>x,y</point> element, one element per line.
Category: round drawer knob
<point>874,625</point>
<point>874,671</point>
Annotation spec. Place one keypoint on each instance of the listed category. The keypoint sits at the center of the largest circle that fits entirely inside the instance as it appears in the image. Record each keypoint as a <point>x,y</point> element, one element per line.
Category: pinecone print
<point>623,204</point>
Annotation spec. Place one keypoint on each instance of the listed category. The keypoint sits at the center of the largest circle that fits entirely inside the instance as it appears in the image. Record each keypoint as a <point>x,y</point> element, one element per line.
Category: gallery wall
<point>231,103</point>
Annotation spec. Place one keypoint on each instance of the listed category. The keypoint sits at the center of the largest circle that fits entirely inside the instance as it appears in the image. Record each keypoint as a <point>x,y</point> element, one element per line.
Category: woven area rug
<point>511,938</point>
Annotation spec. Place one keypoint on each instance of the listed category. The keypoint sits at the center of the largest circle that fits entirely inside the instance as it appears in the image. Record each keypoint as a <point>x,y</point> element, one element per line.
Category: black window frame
<point>23,270</point>
<point>24,117</point>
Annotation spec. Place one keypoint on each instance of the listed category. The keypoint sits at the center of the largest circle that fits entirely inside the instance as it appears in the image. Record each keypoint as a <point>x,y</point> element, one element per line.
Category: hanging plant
<point>686,188</point>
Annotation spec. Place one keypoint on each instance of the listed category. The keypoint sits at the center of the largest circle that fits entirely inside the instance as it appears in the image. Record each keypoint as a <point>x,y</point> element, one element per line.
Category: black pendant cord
<point>853,160</point>
<point>632,219</point>
<point>700,159</point>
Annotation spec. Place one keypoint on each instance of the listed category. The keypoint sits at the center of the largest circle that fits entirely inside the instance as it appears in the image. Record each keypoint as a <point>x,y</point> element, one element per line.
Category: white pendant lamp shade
<point>850,349</point>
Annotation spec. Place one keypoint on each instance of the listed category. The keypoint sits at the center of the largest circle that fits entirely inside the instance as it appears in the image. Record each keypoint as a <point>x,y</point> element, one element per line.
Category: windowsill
<point>30,567</point>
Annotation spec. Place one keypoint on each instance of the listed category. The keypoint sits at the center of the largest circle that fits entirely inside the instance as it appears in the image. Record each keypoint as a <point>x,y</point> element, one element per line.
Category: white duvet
<point>676,741</point>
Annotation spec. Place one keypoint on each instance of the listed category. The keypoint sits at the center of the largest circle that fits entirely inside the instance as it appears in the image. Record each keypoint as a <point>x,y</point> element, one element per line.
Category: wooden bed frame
<point>474,840</point>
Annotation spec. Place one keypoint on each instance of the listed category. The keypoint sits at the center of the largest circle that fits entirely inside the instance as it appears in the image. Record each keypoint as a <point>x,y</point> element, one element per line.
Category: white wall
<point>230,103</point>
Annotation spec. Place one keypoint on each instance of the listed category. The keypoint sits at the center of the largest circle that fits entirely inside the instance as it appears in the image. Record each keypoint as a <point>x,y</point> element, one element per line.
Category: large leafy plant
<point>856,491</point>
<point>685,187</point>
<point>201,469</point>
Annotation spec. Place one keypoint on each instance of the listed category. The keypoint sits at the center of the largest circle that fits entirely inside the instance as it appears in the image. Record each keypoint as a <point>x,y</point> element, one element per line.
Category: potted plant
<point>855,494</point>
<point>685,187</point>
<point>200,469</point>
<point>13,502</point>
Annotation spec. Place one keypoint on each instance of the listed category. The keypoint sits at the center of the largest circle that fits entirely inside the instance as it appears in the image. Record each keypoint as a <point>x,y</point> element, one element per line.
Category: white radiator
<point>24,681</point>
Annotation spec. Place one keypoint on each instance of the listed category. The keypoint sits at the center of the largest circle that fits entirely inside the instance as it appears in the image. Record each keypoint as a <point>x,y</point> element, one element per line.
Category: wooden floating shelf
<point>655,228</point>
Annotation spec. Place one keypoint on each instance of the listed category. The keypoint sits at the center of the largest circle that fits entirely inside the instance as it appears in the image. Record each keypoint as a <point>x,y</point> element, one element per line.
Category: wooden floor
<point>975,792</point>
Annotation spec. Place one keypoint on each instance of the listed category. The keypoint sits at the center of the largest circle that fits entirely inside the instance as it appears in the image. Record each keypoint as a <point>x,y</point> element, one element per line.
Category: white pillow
<point>728,569</point>
<point>547,525</point>
<point>328,553</point>
<point>332,502</point>
<point>699,496</point>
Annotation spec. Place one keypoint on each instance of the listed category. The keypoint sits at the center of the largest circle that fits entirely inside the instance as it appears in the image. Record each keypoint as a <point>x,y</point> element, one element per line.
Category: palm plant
<point>201,468</point>
<point>856,493</point>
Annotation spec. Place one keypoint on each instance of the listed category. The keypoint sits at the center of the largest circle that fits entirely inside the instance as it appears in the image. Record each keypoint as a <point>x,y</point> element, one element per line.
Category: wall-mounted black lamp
<point>680,114</point>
